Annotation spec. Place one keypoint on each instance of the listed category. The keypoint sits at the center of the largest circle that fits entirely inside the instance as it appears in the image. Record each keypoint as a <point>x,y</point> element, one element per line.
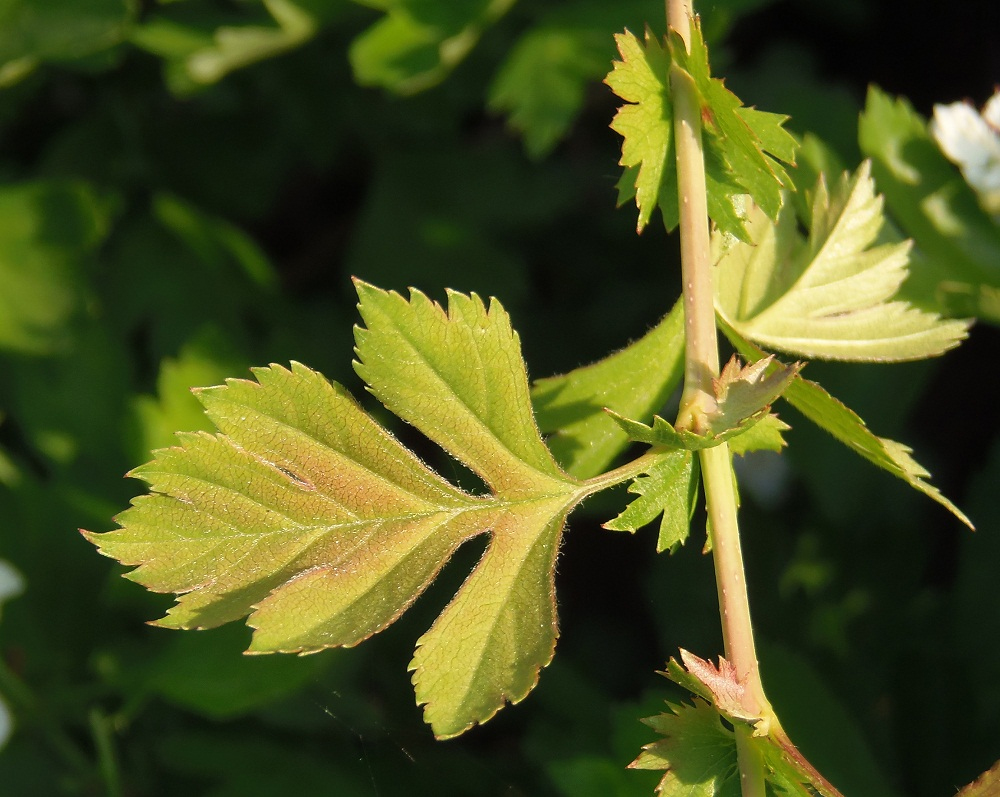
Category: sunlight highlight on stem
<point>697,401</point>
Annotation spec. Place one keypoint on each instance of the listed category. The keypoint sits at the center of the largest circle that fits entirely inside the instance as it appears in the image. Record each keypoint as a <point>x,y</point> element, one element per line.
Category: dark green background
<point>157,234</point>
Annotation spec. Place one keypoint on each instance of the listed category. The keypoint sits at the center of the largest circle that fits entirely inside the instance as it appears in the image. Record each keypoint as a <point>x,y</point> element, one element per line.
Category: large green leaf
<point>831,295</point>
<point>307,515</point>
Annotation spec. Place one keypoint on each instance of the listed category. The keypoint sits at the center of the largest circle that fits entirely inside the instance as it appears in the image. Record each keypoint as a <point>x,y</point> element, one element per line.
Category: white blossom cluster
<point>971,139</point>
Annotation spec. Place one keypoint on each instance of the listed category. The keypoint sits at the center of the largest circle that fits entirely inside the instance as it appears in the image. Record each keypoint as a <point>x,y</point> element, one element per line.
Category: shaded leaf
<point>35,32</point>
<point>418,42</point>
<point>697,752</point>
<point>200,48</point>
<point>634,382</point>
<point>308,516</point>
<point>830,296</point>
<point>47,232</point>
<point>542,83</point>
<point>765,435</point>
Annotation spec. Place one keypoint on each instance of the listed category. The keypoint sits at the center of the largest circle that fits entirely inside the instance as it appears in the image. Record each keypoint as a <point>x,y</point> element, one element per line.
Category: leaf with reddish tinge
<point>308,516</point>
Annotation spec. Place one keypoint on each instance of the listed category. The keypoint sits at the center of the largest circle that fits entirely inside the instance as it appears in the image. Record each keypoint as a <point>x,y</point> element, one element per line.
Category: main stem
<point>697,402</point>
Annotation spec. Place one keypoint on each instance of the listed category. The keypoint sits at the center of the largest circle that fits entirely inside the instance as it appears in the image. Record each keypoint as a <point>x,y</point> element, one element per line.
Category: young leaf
<point>743,397</point>
<point>670,487</point>
<point>737,140</point>
<point>829,296</point>
<point>308,516</point>
<point>635,382</point>
<point>697,752</point>
<point>829,414</point>
<point>720,694</point>
<point>743,137</point>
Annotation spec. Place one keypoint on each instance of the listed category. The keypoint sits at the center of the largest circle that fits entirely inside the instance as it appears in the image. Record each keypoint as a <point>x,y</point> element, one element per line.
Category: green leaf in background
<point>959,244</point>
<point>200,47</point>
<point>418,42</point>
<point>845,425</point>
<point>308,516</point>
<point>48,230</point>
<point>634,382</point>
<point>830,296</point>
<point>204,360</point>
<point>541,85</point>
<point>742,145</point>
<point>33,32</point>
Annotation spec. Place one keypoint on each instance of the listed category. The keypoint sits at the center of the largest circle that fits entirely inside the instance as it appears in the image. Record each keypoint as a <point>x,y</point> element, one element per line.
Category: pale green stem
<point>697,401</point>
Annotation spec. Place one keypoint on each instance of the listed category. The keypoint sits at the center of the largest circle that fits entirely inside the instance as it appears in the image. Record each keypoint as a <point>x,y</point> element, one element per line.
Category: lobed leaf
<point>697,752</point>
<point>741,136</point>
<point>669,487</point>
<point>845,425</point>
<point>743,146</point>
<point>309,517</point>
<point>642,78</point>
<point>720,695</point>
<point>831,295</point>
<point>542,84</point>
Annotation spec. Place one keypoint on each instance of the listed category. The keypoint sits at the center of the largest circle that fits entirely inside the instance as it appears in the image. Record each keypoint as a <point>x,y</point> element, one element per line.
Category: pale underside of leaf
<point>457,376</point>
<point>310,517</point>
<point>482,652</point>
<point>831,295</point>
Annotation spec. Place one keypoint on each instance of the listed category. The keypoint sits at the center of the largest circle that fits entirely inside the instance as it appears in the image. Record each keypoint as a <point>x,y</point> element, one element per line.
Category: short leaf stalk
<point>697,401</point>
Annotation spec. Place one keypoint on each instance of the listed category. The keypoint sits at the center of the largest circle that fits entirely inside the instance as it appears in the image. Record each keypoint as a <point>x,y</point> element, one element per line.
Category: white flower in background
<point>972,140</point>
<point>11,584</point>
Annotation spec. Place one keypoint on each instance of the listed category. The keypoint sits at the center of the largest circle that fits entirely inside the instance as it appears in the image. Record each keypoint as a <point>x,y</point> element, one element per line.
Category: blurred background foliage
<point>186,187</point>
